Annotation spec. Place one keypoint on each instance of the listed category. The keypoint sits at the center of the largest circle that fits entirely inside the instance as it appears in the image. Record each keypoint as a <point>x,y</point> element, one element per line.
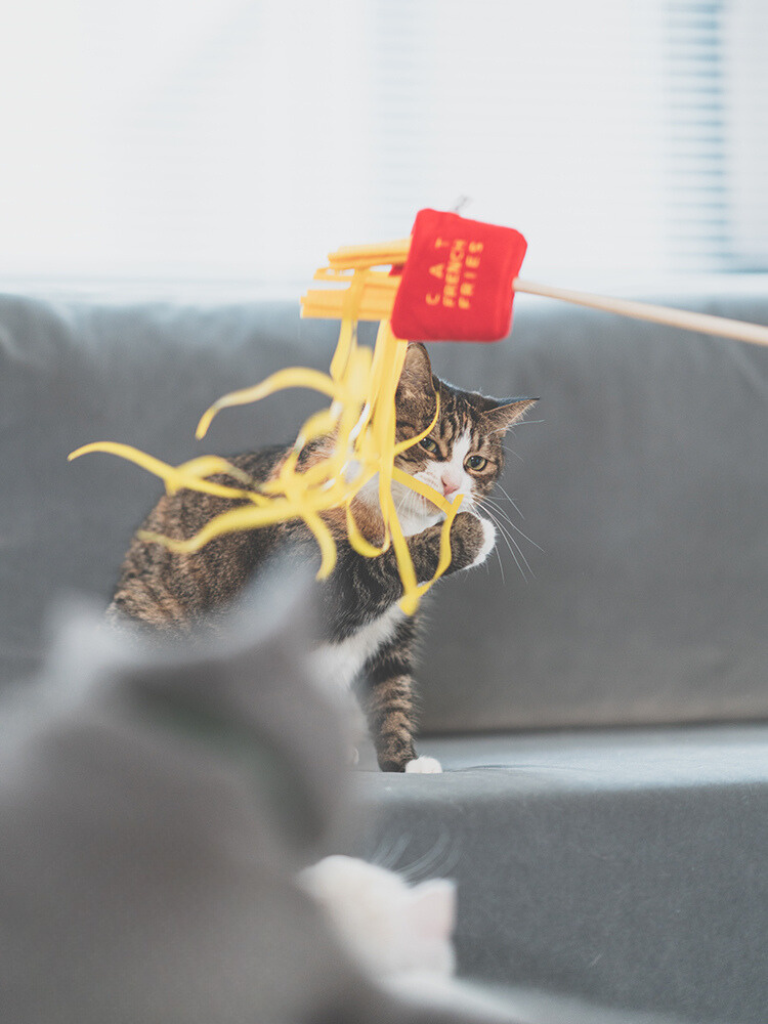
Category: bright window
<point>238,140</point>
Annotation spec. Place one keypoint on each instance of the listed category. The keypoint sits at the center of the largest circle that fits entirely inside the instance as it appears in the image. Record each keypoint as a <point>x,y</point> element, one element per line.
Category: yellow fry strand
<point>378,254</point>
<point>299,499</point>
<point>403,446</point>
<point>325,471</point>
<point>325,542</point>
<point>332,299</point>
<point>357,378</point>
<point>332,274</point>
<point>209,465</point>
<point>344,347</point>
<point>293,377</point>
<point>393,359</point>
<point>377,368</point>
<point>125,451</point>
<point>421,488</point>
<point>318,425</point>
<point>350,301</point>
<point>333,465</point>
<point>376,303</point>
<point>370,293</point>
<point>367,312</point>
<point>174,477</point>
<point>445,545</point>
<point>244,518</point>
<point>375,280</point>
<point>409,602</point>
<point>358,541</point>
<point>287,473</point>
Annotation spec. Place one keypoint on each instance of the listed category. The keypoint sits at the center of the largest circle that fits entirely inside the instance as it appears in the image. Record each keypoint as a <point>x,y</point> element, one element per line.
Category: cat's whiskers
<point>510,499</point>
<point>505,523</point>
<point>501,566</point>
<point>509,541</point>
<point>400,502</point>
<point>389,851</point>
<point>511,451</point>
<point>441,858</point>
<point>505,516</point>
<point>409,503</point>
<point>519,423</point>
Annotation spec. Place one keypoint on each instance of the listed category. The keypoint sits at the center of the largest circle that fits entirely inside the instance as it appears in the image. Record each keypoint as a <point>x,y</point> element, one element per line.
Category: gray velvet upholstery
<point>624,867</point>
<point>642,477</point>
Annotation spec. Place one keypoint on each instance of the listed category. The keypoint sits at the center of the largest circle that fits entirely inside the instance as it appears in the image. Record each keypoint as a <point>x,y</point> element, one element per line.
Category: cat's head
<point>463,453</point>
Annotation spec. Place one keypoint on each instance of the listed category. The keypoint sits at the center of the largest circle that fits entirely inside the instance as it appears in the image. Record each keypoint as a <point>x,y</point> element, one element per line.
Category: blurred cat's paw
<point>424,766</point>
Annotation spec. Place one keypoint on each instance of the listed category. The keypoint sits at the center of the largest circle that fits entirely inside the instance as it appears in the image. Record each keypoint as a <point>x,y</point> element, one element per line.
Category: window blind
<point>695,67</point>
<point>745,101</point>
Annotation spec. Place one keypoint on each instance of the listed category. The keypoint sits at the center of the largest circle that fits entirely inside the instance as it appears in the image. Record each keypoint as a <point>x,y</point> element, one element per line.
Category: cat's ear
<point>416,377</point>
<point>500,414</point>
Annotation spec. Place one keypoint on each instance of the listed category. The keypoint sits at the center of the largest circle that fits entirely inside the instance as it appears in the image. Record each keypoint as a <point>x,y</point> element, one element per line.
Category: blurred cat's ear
<point>501,413</point>
<point>416,377</point>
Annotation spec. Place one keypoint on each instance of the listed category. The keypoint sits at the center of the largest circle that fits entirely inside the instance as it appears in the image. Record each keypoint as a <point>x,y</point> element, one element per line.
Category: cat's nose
<point>450,484</point>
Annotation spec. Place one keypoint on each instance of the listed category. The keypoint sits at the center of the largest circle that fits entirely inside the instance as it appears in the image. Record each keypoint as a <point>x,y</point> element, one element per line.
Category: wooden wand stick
<point>704,323</point>
<point>380,292</point>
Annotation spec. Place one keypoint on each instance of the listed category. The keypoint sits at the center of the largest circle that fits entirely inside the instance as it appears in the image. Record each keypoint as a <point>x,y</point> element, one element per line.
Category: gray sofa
<point>597,705</point>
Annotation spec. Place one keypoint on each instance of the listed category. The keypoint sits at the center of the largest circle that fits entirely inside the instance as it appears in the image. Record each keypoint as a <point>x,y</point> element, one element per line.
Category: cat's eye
<point>476,462</point>
<point>429,445</point>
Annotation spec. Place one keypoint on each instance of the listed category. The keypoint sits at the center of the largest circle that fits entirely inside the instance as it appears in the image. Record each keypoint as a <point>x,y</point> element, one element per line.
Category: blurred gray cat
<point>155,807</point>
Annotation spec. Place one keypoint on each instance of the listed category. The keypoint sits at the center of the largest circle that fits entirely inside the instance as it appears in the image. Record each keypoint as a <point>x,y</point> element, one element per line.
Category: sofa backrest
<point>640,480</point>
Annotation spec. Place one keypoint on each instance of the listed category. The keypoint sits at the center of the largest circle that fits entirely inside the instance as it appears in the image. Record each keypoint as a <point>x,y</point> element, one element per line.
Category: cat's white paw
<point>424,766</point>
<point>489,541</point>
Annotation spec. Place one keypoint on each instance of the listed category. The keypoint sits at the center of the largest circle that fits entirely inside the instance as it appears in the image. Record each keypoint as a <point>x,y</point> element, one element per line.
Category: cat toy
<point>453,279</point>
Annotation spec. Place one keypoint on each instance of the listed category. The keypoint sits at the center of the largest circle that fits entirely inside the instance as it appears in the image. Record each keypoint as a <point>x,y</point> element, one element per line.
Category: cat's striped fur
<point>366,638</point>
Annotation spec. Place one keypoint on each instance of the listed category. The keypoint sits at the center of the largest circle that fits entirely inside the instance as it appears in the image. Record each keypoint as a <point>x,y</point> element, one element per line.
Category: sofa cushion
<point>626,867</point>
<point>641,475</point>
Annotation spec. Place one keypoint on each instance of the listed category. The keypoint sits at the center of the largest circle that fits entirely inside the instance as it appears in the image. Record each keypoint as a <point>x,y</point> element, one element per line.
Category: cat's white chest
<point>340,663</point>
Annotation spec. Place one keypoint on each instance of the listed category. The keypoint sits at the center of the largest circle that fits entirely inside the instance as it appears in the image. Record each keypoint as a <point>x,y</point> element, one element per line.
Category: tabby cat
<point>366,638</point>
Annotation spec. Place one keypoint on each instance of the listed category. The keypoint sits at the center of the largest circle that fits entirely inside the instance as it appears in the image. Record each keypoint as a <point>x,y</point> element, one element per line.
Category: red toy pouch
<point>457,281</point>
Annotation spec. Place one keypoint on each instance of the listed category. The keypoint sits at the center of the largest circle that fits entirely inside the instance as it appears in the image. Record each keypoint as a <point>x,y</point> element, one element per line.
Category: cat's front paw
<point>472,540</point>
<point>424,766</point>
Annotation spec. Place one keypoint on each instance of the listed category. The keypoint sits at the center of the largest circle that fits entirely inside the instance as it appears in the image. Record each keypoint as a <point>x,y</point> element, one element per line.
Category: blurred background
<point>235,142</point>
